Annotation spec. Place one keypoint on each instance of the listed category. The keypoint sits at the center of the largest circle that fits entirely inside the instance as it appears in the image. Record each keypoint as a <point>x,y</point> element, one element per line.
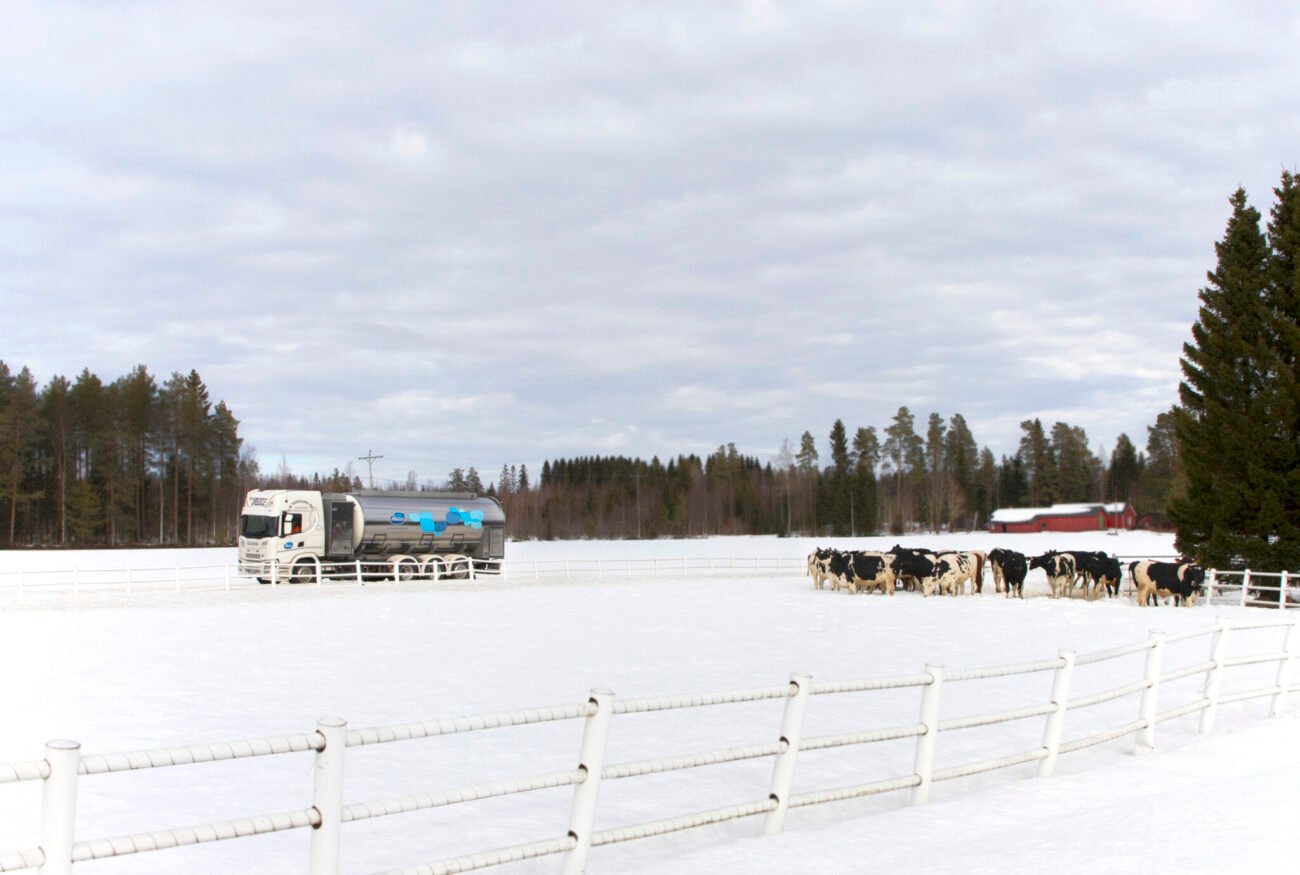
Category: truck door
<point>340,542</point>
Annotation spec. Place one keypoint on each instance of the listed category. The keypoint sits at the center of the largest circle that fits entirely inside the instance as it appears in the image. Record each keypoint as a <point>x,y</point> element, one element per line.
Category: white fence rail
<point>1246,588</point>
<point>129,580</point>
<point>63,765</point>
<point>1252,589</point>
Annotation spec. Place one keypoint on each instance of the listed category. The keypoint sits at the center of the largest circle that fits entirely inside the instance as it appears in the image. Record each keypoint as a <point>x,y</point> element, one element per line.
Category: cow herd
<point>947,572</point>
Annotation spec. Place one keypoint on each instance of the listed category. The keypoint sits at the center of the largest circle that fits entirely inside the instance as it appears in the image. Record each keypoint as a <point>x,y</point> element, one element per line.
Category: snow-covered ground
<point>123,673</point>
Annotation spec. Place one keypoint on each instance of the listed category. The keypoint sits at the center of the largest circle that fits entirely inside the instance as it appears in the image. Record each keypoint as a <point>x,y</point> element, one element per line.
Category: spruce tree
<point>840,507</point>
<point>1122,475</point>
<point>1284,310</point>
<point>1231,505</point>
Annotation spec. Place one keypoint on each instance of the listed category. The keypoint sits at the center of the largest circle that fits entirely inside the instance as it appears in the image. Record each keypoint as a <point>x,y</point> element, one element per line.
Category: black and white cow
<point>936,573</point>
<point>839,569</point>
<point>903,557</point>
<point>1184,581</point>
<point>818,565</point>
<point>1088,569</point>
<point>1109,575</point>
<point>870,571</point>
<point>1009,570</point>
<point>1060,571</point>
<point>971,568</point>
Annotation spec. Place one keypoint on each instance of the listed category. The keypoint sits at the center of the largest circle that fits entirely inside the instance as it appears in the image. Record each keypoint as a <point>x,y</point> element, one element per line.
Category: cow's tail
<point>979,569</point>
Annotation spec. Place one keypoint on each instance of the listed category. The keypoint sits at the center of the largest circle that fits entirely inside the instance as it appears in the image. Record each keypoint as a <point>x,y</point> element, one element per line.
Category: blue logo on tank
<point>288,545</point>
<point>454,517</point>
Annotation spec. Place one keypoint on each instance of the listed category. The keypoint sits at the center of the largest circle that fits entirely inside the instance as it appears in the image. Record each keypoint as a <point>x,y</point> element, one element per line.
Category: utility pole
<point>369,458</point>
<point>638,477</point>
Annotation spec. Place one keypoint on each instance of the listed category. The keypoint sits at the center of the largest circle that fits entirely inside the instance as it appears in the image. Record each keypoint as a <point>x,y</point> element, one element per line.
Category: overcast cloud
<point>482,233</point>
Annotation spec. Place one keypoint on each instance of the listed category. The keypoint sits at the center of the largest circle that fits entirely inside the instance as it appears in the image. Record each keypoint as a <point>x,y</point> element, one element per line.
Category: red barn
<point>1063,518</point>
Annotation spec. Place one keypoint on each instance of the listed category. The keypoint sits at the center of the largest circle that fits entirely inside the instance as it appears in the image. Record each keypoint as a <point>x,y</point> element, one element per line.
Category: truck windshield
<point>257,526</point>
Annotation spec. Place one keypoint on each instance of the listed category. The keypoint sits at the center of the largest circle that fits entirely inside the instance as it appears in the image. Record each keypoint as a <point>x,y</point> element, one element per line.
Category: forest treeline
<point>133,461</point>
<point>140,461</point>
<point>898,480</point>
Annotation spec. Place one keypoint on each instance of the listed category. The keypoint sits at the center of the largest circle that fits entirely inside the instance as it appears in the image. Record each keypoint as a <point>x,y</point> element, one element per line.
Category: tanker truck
<point>302,536</point>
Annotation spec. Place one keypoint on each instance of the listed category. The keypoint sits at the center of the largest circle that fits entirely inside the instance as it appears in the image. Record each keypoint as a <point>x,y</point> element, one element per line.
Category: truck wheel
<point>304,571</point>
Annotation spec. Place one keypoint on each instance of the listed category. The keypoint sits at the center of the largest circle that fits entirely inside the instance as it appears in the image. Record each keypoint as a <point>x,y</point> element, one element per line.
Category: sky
<point>493,233</point>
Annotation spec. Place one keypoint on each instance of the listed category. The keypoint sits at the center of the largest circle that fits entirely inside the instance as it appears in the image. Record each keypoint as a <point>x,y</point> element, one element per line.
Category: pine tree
<point>1073,462</point>
<point>1038,463</point>
<point>904,451</point>
<point>19,421</point>
<point>456,480</point>
<point>807,455</point>
<point>936,472</point>
<point>1284,308</point>
<point>961,458</point>
<point>840,507</point>
<point>1232,504</point>
<point>1122,475</point>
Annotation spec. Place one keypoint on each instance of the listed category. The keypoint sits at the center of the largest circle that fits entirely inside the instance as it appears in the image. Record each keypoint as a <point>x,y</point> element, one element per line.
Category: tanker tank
<point>394,523</point>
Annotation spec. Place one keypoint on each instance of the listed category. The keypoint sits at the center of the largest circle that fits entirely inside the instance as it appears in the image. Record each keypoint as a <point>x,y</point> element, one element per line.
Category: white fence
<point>129,580</point>
<point>1251,589</point>
<point>1246,588</point>
<point>63,765</point>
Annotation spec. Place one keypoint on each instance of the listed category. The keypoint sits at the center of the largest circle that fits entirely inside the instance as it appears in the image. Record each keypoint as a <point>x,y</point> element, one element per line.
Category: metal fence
<point>63,765</point>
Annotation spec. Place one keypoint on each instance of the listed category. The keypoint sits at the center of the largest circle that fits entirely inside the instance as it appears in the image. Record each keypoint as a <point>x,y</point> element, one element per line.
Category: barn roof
<point>1028,514</point>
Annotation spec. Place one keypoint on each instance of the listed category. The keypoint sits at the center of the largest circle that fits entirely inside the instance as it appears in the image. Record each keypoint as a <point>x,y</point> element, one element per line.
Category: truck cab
<point>280,524</point>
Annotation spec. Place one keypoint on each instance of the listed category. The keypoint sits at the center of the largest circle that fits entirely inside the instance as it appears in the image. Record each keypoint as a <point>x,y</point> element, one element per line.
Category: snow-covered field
<point>123,673</point>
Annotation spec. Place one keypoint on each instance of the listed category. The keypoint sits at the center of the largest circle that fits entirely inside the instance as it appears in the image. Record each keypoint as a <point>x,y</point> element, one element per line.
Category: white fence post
<point>925,742</point>
<point>566,569</point>
<point>1210,580</point>
<point>327,796</point>
<point>1146,734</point>
<point>360,582</point>
<point>1289,644</point>
<point>275,572</point>
<point>1245,585</point>
<point>1056,720</point>
<point>59,806</point>
<point>1214,677</point>
<point>1281,596</point>
<point>783,768</point>
<point>582,819</point>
